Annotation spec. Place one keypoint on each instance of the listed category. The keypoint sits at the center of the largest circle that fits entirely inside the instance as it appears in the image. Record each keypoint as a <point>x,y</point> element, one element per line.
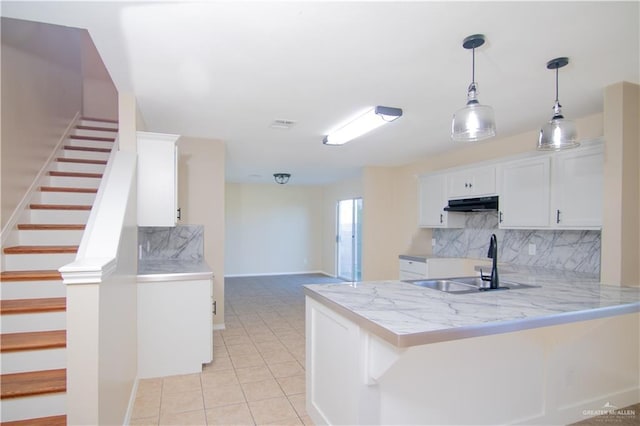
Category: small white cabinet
<point>474,182</point>
<point>432,199</point>
<point>431,267</point>
<point>577,188</point>
<point>525,193</point>
<point>157,179</point>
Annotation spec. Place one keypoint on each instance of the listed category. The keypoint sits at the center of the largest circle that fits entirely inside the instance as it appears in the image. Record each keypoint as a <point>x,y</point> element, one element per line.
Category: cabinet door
<point>577,189</point>
<point>157,179</point>
<point>472,182</point>
<point>431,202</point>
<point>525,193</point>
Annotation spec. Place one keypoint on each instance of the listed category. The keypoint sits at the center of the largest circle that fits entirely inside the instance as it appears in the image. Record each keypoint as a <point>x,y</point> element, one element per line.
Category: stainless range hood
<point>480,204</point>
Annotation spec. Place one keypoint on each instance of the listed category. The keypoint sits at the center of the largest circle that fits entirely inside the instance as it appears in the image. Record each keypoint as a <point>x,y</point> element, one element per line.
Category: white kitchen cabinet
<point>525,193</point>
<point>415,268</point>
<point>473,182</point>
<point>432,199</point>
<point>157,179</point>
<point>577,188</point>
<point>175,327</point>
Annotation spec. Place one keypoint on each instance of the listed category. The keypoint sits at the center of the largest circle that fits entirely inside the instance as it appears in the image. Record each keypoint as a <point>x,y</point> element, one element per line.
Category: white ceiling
<point>226,70</point>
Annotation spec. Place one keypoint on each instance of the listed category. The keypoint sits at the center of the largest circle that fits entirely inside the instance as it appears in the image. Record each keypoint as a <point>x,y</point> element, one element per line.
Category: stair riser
<point>25,262</point>
<point>46,321</point>
<point>59,216</point>
<point>79,167</point>
<point>86,155</point>
<point>73,182</point>
<point>74,198</point>
<point>98,124</point>
<point>12,290</point>
<point>89,143</point>
<point>33,407</point>
<point>49,237</point>
<point>95,133</point>
<point>33,360</point>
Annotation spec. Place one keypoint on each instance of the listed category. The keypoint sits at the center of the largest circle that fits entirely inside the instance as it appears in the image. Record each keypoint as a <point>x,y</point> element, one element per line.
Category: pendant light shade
<point>558,133</point>
<point>474,122</point>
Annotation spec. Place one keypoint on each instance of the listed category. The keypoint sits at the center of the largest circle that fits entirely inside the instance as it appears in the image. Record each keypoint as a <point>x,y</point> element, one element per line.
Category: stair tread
<point>103,120</point>
<point>16,385</point>
<point>51,226</point>
<point>81,161</point>
<point>97,128</point>
<point>13,342</point>
<point>26,306</point>
<point>68,189</point>
<point>42,275</point>
<point>40,249</point>
<point>75,174</point>
<point>40,421</point>
<point>59,207</point>
<point>86,148</point>
<point>92,138</point>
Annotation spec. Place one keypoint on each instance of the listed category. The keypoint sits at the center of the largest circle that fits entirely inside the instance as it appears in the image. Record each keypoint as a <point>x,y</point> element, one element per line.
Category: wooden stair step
<point>40,421</point>
<point>35,340</point>
<point>42,275</point>
<point>98,128</point>
<point>91,138</point>
<point>51,226</point>
<point>81,161</point>
<point>59,207</point>
<point>86,148</point>
<point>32,306</point>
<point>103,120</point>
<point>67,189</point>
<point>31,383</point>
<point>75,174</point>
<point>40,249</point>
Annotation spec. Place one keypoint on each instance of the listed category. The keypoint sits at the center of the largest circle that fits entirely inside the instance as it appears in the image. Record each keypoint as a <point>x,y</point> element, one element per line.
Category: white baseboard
<point>270,274</point>
<point>219,327</point>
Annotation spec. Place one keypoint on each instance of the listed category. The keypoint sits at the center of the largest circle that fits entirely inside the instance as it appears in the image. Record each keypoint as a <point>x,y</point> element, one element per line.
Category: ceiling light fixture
<point>281,178</point>
<point>363,123</point>
<point>474,122</point>
<point>559,133</point>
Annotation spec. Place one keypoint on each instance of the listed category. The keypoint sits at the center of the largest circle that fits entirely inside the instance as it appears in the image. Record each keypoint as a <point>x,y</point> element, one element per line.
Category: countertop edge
<point>484,329</point>
<point>174,276</point>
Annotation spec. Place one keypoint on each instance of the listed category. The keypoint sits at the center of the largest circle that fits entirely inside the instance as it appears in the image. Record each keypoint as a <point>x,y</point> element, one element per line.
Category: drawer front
<point>413,266</point>
<point>405,276</point>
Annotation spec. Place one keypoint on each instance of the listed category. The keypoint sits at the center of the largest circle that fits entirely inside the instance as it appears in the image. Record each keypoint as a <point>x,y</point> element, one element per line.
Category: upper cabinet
<point>432,199</point>
<point>157,179</point>
<point>525,193</point>
<point>474,182</point>
<point>577,188</point>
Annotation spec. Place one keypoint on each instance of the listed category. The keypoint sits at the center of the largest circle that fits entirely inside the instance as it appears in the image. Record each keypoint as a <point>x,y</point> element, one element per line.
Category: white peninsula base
<point>548,375</point>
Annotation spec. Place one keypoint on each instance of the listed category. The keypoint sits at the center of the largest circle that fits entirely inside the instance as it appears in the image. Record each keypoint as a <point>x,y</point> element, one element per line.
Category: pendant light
<point>559,133</point>
<point>474,122</point>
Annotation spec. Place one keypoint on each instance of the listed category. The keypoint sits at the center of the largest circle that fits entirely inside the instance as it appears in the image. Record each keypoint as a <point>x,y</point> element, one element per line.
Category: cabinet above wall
<point>558,190</point>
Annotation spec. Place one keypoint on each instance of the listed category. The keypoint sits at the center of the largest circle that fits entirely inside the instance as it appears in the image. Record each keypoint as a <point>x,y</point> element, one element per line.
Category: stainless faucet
<point>494,282</point>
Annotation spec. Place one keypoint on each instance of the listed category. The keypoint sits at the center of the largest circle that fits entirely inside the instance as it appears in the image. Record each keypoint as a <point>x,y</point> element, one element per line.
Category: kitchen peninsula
<point>391,352</point>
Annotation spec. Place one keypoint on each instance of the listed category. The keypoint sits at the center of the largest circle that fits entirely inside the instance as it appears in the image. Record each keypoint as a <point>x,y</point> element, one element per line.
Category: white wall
<point>272,229</point>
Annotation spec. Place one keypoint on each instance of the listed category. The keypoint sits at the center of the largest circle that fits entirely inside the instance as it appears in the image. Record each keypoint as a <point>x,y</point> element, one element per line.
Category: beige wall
<point>202,200</point>
<point>99,94</point>
<point>41,94</point>
<point>621,219</point>
<point>272,229</point>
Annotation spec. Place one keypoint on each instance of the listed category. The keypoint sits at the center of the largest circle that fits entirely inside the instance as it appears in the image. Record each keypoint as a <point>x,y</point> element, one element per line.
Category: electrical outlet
<point>532,249</point>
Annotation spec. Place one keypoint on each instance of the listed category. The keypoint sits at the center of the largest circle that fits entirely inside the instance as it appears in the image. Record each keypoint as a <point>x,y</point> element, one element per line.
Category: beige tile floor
<point>257,375</point>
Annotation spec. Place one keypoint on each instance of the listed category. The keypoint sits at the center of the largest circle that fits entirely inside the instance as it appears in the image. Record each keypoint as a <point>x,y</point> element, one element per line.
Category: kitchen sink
<point>466,285</point>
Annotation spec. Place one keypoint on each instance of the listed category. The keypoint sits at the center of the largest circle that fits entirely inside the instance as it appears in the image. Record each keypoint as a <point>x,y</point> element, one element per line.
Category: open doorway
<point>349,239</point>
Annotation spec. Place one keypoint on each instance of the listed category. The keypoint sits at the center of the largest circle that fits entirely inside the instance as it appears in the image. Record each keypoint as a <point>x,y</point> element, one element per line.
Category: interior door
<point>349,240</point>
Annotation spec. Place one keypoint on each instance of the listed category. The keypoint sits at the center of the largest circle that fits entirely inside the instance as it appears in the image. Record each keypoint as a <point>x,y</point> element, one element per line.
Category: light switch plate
<point>532,249</point>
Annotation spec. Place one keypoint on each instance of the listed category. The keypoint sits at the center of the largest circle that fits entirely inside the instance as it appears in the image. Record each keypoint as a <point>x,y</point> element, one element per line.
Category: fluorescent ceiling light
<point>371,119</point>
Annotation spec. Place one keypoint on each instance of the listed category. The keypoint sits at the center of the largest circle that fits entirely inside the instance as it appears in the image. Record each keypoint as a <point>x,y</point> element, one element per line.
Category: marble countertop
<point>172,270</point>
<point>406,315</point>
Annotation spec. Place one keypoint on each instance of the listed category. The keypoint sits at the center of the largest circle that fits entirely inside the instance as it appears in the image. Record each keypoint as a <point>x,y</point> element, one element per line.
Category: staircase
<point>33,303</point>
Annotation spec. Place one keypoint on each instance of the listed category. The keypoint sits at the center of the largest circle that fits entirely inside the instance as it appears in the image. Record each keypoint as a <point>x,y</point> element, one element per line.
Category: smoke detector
<point>282,124</point>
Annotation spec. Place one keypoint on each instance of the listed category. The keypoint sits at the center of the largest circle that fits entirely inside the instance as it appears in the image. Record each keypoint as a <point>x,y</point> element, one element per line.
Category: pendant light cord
<point>556,85</point>
<point>473,65</point>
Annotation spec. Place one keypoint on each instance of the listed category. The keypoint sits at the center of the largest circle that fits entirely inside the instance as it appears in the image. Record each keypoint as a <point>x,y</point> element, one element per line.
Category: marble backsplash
<point>577,251</point>
<point>184,242</point>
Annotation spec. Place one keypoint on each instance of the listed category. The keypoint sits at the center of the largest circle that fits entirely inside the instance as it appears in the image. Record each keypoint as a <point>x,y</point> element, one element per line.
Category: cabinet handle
<point>215,308</point>
<point>441,218</point>
<point>557,216</point>
<point>500,220</point>
<point>179,213</point>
